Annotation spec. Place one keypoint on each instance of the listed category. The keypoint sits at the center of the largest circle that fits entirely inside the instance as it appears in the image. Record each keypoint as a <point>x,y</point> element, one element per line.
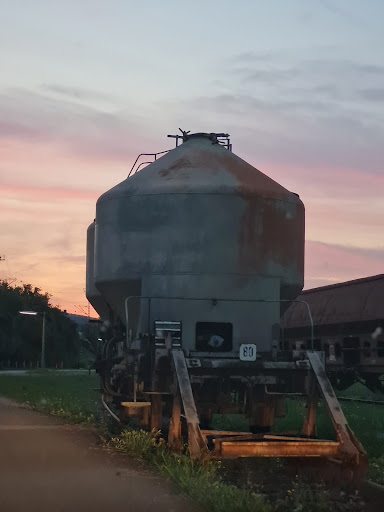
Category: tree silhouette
<point>20,336</point>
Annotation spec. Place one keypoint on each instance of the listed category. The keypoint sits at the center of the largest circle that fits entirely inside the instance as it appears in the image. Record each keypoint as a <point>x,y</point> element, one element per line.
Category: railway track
<point>360,400</point>
<point>317,485</point>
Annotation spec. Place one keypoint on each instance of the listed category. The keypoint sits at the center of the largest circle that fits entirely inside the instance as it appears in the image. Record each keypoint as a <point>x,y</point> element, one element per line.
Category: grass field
<point>71,395</point>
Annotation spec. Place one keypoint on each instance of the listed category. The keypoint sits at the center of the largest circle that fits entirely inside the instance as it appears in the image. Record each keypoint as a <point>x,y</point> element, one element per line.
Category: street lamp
<point>35,313</point>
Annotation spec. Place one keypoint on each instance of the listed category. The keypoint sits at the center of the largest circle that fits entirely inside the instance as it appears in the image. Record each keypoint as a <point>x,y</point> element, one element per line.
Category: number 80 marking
<point>248,352</point>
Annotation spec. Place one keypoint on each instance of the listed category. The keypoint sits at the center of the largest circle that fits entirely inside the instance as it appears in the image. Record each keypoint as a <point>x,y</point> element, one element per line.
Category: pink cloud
<point>113,134</point>
<point>326,264</point>
<point>39,193</point>
<point>331,182</point>
<point>50,165</point>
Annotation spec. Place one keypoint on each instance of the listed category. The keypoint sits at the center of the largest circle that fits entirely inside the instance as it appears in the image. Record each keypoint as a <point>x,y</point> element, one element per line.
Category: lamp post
<point>35,313</point>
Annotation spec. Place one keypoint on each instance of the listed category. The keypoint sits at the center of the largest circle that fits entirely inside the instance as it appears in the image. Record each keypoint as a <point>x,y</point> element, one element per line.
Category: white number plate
<point>247,352</point>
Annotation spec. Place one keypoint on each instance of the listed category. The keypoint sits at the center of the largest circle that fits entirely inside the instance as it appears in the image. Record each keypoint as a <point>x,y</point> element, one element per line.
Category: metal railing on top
<point>133,170</point>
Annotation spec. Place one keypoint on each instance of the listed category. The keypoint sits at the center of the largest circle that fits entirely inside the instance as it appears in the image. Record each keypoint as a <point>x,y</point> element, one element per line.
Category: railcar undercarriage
<point>162,389</point>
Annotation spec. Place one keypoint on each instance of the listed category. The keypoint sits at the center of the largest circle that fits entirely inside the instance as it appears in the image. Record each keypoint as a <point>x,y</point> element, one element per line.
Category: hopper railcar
<point>191,261</point>
<point>348,321</point>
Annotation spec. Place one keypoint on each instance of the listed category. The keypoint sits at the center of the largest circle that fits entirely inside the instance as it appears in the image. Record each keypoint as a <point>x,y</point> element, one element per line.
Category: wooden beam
<point>174,434</point>
<point>196,441</point>
<point>309,425</point>
<point>156,410</point>
<point>350,449</point>
<point>270,448</point>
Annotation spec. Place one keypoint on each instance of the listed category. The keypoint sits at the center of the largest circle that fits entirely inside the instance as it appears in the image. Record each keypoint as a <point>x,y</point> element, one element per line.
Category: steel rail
<point>361,400</point>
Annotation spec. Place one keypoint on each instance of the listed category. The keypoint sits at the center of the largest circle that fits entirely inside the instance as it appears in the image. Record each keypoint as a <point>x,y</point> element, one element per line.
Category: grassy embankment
<point>72,396</point>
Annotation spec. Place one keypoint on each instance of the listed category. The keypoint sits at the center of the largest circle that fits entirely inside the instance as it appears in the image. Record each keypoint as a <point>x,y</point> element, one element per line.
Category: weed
<point>138,442</point>
<point>302,497</point>
<point>376,470</point>
<point>196,478</point>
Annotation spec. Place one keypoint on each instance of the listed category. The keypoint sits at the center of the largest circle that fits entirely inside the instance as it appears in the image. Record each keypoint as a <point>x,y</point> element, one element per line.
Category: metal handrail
<point>146,154</point>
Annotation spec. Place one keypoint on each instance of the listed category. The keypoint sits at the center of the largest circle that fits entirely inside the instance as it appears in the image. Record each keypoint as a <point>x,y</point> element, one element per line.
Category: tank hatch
<point>216,138</point>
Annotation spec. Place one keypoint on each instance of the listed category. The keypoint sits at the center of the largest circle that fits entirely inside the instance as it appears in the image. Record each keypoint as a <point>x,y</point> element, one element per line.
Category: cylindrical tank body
<point>92,293</point>
<point>201,223</point>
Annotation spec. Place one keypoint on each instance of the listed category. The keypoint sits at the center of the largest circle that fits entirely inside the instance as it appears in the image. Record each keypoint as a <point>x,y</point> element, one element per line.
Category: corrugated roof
<point>352,301</point>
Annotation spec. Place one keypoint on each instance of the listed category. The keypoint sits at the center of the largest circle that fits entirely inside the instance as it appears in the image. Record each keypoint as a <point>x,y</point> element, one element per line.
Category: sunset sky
<point>87,85</point>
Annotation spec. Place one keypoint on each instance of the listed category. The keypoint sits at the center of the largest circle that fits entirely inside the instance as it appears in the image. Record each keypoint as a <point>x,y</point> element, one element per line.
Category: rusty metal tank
<point>204,234</point>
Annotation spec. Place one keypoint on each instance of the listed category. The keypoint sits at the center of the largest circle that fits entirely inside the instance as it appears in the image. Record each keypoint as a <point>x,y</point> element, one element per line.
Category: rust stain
<point>181,163</point>
<point>193,160</point>
<point>266,234</point>
<point>251,180</point>
<point>250,252</point>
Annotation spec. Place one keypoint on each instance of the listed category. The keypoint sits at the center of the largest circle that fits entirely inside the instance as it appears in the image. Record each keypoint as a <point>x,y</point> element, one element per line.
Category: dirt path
<point>49,467</point>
